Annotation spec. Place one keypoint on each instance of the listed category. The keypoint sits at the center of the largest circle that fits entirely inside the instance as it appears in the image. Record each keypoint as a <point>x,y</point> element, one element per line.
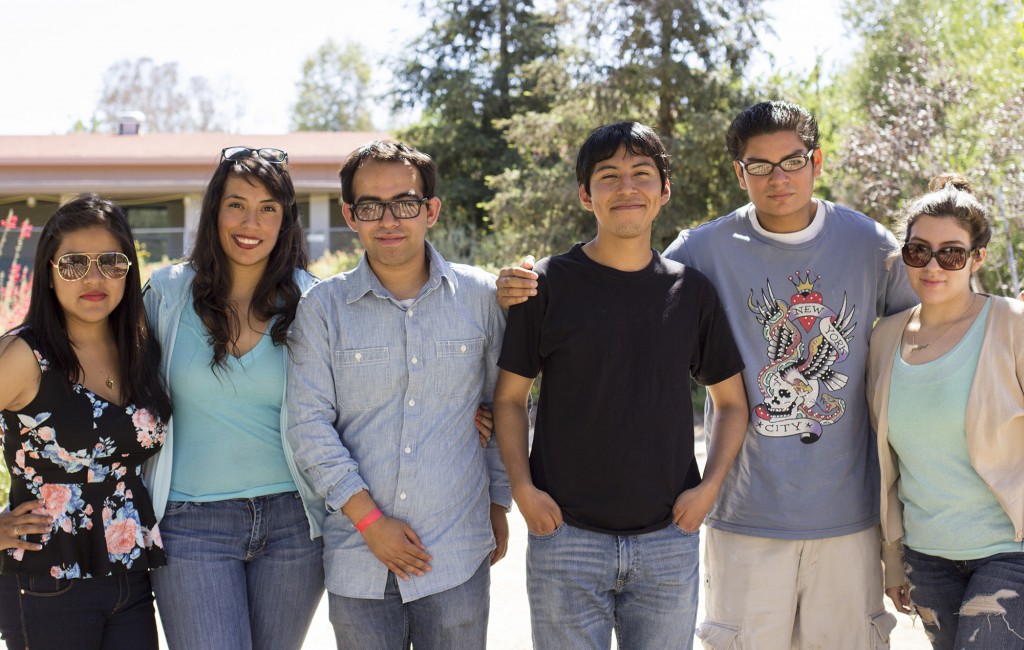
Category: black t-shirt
<point>614,434</point>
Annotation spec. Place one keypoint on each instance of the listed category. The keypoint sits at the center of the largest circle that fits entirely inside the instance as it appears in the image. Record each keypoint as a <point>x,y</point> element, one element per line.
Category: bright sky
<point>53,53</point>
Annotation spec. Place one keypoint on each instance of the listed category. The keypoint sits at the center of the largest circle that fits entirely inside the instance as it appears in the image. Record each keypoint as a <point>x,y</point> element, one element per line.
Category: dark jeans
<point>977,604</point>
<point>43,613</point>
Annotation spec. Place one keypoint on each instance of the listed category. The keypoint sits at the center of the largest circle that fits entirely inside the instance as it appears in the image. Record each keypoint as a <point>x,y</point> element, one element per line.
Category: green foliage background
<point>508,91</point>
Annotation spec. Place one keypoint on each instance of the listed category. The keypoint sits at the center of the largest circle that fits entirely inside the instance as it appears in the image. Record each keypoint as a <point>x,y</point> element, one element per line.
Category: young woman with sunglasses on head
<point>80,410</point>
<point>241,526</point>
<point>945,388</point>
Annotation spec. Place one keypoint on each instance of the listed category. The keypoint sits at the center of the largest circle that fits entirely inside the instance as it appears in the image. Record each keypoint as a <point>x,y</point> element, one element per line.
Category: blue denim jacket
<point>382,397</point>
<point>167,294</point>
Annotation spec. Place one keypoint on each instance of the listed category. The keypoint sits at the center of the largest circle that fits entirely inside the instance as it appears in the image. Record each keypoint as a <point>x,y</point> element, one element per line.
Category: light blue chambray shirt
<point>383,397</point>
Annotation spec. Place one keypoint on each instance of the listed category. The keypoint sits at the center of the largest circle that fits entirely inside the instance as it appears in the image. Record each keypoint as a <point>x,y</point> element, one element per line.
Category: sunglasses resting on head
<point>271,155</point>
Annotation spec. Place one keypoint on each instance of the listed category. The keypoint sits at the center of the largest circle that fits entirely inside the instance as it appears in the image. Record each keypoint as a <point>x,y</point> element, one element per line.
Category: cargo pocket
<point>718,636</point>
<point>882,623</point>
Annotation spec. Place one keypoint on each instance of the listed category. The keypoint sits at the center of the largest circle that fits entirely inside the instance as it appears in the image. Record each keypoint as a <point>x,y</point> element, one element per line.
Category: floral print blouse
<point>82,456</point>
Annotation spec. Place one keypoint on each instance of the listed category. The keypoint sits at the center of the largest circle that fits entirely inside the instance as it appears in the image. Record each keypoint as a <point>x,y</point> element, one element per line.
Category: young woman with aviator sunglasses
<point>945,389</point>
<point>241,526</point>
<point>80,410</point>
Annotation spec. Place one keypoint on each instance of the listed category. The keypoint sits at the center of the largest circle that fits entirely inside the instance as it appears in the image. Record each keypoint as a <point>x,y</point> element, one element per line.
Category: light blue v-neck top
<point>227,423</point>
<point>948,510</point>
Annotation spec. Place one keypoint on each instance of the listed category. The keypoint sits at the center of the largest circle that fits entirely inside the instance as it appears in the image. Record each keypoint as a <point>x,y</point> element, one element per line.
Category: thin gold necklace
<point>108,382</point>
<point>914,347</point>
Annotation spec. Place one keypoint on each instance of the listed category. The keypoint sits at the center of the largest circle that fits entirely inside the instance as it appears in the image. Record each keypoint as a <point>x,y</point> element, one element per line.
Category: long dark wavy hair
<point>138,350</point>
<point>277,293</point>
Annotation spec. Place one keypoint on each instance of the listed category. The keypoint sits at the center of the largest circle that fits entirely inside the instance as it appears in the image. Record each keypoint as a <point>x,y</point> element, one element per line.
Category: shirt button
<point>359,356</point>
<point>408,450</point>
<point>402,496</point>
<point>409,313</point>
<point>415,361</point>
<point>462,349</point>
<point>412,402</point>
<point>1020,536</point>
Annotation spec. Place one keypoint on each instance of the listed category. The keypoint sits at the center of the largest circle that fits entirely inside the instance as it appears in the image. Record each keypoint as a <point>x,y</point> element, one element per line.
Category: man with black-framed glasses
<point>388,364</point>
<point>793,549</point>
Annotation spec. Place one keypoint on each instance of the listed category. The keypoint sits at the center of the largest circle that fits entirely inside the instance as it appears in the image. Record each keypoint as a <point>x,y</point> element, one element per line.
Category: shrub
<point>15,286</point>
<point>16,281</point>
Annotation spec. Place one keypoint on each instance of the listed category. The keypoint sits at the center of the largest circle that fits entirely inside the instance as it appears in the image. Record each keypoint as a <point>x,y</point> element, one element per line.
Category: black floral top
<point>83,457</point>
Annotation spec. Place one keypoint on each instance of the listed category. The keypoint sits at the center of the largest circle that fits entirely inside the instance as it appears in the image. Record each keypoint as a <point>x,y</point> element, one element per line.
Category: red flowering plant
<point>15,281</point>
<point>15,286</point>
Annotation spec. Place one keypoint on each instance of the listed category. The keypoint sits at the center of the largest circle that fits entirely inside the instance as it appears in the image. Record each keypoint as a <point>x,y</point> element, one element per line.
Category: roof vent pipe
<point>129,122</point>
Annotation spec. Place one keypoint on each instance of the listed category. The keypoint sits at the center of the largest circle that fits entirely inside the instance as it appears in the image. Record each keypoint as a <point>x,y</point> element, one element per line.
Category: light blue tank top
<point>948,510</point>
<point>227,424</point>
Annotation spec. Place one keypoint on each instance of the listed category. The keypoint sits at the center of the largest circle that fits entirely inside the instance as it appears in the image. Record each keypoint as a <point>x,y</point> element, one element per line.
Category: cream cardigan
<point>995,420</point>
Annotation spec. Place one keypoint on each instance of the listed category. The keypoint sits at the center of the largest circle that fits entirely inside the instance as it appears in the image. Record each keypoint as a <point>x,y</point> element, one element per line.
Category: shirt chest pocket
<point>362,378</point>
<point>460,368</point>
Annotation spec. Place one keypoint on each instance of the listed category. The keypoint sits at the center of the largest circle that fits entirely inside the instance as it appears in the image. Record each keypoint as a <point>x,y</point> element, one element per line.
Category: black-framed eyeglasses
<point>950,258</point>
<point>400,209</point>
<point>271,155</point>
<point>764,168</point>
<point>75,266</point>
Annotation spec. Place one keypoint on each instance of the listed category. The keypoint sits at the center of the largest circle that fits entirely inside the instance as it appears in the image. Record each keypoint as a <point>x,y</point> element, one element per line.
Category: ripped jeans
<point>978,604</point>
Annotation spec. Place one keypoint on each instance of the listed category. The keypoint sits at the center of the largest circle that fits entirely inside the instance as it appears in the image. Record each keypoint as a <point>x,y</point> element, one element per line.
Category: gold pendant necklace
<point>914,347</point>
<point>108,382</point>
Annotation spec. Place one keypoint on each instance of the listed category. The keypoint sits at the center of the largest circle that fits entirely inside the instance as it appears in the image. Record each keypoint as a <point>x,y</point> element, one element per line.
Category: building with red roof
<point>159,179</point>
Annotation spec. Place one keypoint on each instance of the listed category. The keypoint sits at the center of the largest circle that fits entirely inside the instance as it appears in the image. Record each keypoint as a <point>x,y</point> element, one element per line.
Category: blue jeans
<point>240,574</point>
<point>582,583</point>
<point>88,614</point>
<point>454,618</point>
<point>977,604</point>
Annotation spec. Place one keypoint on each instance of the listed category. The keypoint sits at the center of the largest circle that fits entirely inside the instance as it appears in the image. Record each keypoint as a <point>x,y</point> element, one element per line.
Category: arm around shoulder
<point>516,284</point>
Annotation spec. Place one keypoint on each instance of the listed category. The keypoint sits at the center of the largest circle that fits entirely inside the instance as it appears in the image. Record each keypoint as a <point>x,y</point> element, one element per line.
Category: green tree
<point>935,88</point>
<point>681,55</point>
<point>672,64</point>
<point>334,92</point>
<point>170,102</point>
<point>478,62</point>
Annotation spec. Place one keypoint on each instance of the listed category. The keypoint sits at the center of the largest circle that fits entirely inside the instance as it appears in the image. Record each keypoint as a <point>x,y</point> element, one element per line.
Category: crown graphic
<point>804,284</point>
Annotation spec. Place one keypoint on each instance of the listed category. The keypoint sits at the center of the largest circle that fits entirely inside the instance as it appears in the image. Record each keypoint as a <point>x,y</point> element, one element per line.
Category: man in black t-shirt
<point>611,492</point>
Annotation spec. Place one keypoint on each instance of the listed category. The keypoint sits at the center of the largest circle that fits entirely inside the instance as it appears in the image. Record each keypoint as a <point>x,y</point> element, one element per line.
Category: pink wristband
<point>365,522</point>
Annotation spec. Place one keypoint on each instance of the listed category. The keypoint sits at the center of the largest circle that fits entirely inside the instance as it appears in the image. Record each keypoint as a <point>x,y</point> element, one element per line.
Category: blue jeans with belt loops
<point>241,574</point>
<point>582,584</point>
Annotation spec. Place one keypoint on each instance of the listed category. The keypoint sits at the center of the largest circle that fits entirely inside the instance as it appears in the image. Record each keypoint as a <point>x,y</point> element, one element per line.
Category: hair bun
<point>950,180</point>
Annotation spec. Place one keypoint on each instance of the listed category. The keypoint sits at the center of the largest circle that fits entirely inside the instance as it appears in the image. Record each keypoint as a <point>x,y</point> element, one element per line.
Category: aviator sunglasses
<point>950,258</point>
<point>75,266</point>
